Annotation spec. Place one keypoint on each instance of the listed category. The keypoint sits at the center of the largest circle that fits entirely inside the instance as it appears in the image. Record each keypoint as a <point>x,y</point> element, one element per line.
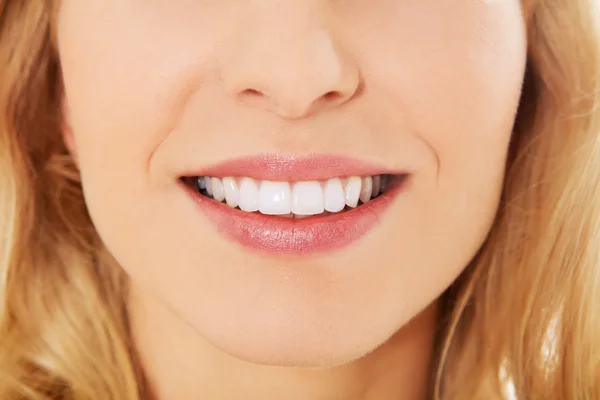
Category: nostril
<point>252,93</point>
<point>298,106</point>
<point>332,96</point>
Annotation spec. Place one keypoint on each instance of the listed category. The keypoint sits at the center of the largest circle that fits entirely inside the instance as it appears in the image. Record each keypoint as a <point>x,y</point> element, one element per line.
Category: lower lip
<point>295,236</point>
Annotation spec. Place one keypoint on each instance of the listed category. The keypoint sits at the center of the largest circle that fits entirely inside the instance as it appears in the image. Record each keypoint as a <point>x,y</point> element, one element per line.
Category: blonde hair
<point>522,310</point>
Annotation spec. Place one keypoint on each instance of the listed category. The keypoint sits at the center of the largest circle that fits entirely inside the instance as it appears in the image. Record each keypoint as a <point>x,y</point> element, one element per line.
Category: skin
<point>154,88</point>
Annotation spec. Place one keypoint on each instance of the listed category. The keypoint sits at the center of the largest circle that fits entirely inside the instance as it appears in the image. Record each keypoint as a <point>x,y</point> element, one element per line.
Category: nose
<point>285,60</point>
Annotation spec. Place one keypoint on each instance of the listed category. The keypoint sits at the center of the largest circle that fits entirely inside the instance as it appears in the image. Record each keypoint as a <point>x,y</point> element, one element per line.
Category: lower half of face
<point>409,104</point>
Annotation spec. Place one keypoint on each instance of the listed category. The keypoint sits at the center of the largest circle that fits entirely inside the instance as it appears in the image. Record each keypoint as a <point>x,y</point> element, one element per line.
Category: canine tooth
<point>334,195</point>
<point>248,195</point>
<point>307,198</point>
<point>274,198</point>
<point>201,183</point>
<point>352,191</point>
<point>367,189</point>
<point>208,183</point>
<point>232,192</point>
<point>217,189</point>
<point>376,185</point>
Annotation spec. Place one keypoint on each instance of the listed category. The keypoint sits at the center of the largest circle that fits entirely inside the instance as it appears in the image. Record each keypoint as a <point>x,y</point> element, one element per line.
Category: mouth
<point>293,199</point>
<point>293,216</point>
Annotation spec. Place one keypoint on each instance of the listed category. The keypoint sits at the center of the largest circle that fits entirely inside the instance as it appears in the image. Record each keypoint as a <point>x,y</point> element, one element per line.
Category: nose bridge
<point>286,58</point>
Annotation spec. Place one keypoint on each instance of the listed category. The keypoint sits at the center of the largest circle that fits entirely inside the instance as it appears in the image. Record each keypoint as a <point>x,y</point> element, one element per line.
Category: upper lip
<point>277,167</point>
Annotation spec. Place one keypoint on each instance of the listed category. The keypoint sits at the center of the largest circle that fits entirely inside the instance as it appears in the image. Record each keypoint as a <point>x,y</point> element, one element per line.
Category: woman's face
<point>300,92</point>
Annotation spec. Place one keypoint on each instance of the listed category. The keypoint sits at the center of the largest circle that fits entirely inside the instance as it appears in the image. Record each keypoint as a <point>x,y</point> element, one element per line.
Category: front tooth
<point>248,195</point>
<point>217,189</point>
<point>367,189</point>
<point>274,198</point>
<point>334,195</point>
<point>376,185</point>
<point>208,183</point>
<point>352,191</point>
<point>232,192</point>
<point>307,198</point>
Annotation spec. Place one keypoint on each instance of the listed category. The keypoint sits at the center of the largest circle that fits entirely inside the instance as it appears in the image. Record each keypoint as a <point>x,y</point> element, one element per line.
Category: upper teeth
<point>298,198</point>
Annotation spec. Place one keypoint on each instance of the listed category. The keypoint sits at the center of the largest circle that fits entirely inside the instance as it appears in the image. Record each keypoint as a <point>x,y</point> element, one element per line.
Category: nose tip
<point>292,78</point>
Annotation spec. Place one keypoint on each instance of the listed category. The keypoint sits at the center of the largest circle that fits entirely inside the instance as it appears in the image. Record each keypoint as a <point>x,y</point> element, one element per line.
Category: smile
<point>325,208</point>
<point>293,199</point>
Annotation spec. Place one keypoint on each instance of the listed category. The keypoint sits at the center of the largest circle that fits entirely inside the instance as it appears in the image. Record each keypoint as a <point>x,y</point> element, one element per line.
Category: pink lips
<point>284,168</point>
<point>278,235</point>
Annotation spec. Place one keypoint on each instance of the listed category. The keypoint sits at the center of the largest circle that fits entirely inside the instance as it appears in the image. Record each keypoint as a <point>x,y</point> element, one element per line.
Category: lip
<point>312,235</point>
<point>301,237</point>
<point>293,168</point>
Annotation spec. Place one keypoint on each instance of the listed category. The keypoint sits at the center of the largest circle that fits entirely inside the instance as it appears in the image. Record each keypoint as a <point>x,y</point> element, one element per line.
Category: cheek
<point>124,95</point>
<point>459,95</point>
<point>125,81</point>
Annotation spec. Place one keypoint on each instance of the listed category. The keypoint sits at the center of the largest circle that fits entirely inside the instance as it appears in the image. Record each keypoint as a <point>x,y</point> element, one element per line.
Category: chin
<point>296,354</point>
<point>299,343</point>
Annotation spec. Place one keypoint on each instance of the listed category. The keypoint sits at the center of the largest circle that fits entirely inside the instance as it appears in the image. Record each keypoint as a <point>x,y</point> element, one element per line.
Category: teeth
<point>384,183</point>
<point>293,200</point>
<point>367,189</point>
<point>334,196</point>
<point>376,185</point>
<point>208,183</point>
<point>275,198</point>
<point>307,198</point>
<point>232,192</point>
<point>217,189</point>
<point>248,195</point>
<point>352,191</point>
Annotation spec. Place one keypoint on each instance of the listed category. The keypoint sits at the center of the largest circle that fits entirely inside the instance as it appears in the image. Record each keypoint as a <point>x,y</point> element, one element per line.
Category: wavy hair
<point>522,311</point>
